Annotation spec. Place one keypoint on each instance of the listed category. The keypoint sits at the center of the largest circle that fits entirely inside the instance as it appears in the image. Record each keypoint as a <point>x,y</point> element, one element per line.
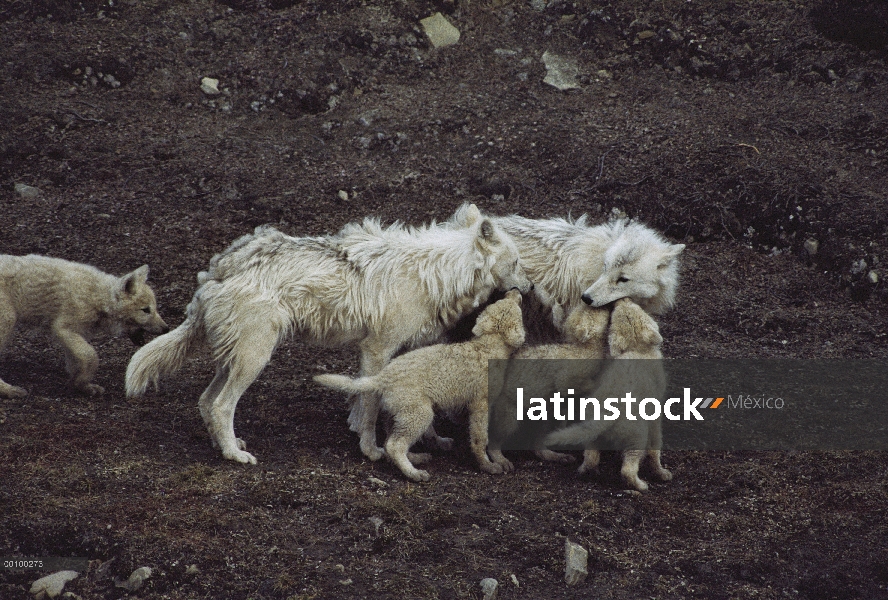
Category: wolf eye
<point>622,279</point>
<point>147,310</point>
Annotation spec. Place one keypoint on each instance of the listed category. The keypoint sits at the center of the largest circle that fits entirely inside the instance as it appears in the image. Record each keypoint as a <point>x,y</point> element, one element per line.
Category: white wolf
<point>449,377</point>
<point>382,288</point>
<point>570,261</point>
<point>634,342</point>
<point>74,301</point>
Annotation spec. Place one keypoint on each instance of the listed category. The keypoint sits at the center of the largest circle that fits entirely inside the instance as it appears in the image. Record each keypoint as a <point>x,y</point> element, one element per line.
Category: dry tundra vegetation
<point>754,132</point>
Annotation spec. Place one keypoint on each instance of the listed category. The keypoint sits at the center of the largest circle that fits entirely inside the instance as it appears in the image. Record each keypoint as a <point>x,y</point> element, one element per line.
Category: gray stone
<point>52,585</point>
<point>27,191</point>
<point>561,71</point>
<point>488,588</point>
<point>576,558</point>
<point>440,31</point>
<point>136,579</point>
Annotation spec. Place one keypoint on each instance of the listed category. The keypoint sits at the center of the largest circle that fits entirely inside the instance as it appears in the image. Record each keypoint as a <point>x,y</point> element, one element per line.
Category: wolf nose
<point>532,286</point>
<point>587,299</point>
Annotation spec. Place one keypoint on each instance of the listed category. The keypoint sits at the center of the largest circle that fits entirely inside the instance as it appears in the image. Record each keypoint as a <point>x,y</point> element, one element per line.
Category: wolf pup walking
<point>382,288</point>
<point>74,301</point>
<point>449,377</point>
<point>571,262</point>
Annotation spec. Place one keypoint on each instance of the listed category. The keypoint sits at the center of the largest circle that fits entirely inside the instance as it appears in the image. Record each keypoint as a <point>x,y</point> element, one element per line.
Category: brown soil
<point>740,128</point>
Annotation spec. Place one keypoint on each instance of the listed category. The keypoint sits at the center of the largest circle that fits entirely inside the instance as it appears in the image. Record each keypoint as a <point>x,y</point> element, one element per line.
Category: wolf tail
<point>164,355</point>
<point>347,384</point>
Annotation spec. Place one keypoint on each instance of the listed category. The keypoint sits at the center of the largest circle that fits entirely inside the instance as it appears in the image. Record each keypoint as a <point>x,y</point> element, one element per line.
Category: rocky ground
<point>754,132</point>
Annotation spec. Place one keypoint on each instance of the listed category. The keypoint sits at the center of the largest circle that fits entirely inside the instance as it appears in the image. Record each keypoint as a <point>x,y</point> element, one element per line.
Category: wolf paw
<point>558,457</point>
<point>91,389</point>
<point>373,453</point>
<point>13,391</point>
<point>240,456</point>
<point>418,475</point>
<point>492,468</point>
<point>587,468</point>
<point>664,475</point>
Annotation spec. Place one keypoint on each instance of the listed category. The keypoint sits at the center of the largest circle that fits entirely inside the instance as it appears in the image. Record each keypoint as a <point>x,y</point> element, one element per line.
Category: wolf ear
<point>466,215</point>
<point>670,254</point>
<point>131,281</point>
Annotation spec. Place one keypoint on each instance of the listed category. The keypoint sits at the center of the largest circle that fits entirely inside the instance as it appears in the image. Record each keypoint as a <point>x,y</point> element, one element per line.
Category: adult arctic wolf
<point>571,262</point>
<point>382,288</point>
<point>74,301</point>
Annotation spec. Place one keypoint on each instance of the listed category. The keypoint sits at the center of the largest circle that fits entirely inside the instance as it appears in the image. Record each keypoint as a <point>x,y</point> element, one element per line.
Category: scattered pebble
<point>27,191</point>
<point>646,34</point>
<point>515,580</point>
<point>561,72</point>
<point>576,558</point>
<point>52,585</point>
<point>346,581</point>
<point>811,246</point>
<point>377,523</point>
<point>872,276</point>
<point>378,482</point>
<point>210,86</point>
<point>136,579</point>
<point>439,31</point>
<point>343,195</point>
<point>858,267</point>
<point>488,588</point>
<point>192,570</point>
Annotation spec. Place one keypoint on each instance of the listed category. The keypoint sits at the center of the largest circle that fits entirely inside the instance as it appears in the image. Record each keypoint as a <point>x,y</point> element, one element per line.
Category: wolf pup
<point>633,335</point>
<point>449,377</point>
<point>379,288</point>
<point>74,301</point>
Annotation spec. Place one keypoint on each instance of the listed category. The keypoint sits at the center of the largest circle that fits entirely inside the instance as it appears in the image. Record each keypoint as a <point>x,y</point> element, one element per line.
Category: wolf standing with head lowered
<point>74,301</point>
<point>571,262</point>
<point>382,288</point>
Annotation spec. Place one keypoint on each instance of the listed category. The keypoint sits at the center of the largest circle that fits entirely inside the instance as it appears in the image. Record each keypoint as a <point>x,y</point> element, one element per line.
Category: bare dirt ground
<point>744,129</point>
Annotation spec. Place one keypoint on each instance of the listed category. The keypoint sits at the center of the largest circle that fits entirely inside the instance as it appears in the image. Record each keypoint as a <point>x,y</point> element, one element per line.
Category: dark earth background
<point>743,129</point>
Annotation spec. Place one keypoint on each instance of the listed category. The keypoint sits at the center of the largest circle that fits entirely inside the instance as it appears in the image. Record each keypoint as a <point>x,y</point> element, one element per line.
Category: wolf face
<point>492,241</point>
<point>639,266</point>
<point>136,310</point>
<point>504,318</point>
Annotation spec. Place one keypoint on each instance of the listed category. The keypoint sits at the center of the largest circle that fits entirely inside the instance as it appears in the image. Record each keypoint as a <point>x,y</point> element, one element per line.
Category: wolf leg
<point>629,470</point>
<point>81,359</point>
<point>249,357</point>
<point>656,443</point>
<point>7,327</point>
<point>205,404</point>
<point>478,420</point>
<point>433,440</point>
<point>410,421</point>
<point>375,354</point>
<point>591,458</point>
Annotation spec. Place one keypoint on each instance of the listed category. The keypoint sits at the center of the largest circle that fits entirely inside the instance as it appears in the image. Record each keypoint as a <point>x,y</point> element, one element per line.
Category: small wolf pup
<point>635,336</point>
<point>444,376</point>
<point>74,301</point>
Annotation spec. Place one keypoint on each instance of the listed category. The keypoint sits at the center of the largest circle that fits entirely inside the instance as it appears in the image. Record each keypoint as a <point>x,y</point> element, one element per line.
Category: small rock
<point>539,5</point>
<point>377,482</point>
<point>604,74</point>
<point>561,72</point>
<point>27,191</point>
<point>52,585</point>
<point>377,523</point>
<point>515,580</point>
<point>576,558</point>
<point>210,86</point>
<point>858,267</point>
<point>488,588</point>
<point>647,34</point>
<point>439,31</point>
<point>505,52</point>
<point>136,579</point>
<point>872,276</point>
<point>346,581</point>
<point>811,246</point>
<point>343,195</point>
<point>192,570</point>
